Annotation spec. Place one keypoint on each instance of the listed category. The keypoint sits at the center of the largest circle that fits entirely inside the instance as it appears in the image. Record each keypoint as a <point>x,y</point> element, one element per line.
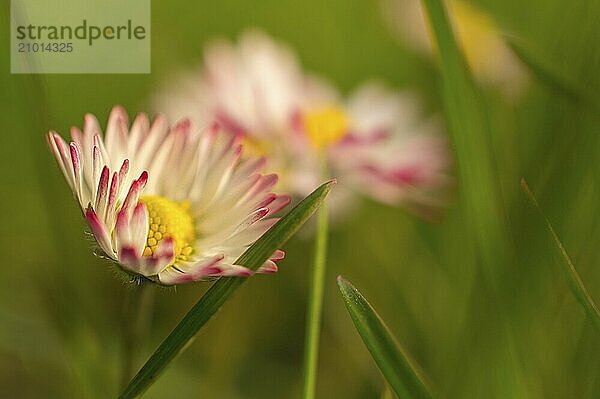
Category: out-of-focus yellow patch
<point>255,147</point>
<point>168,218</point>
<point>475,31</point>
<point>325,126</point>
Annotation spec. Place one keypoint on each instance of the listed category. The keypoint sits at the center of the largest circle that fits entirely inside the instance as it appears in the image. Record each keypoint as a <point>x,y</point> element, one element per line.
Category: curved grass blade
<point>547,75</point>
<point>221,290</point>
<point>575,282</point>
<point>404,377</point>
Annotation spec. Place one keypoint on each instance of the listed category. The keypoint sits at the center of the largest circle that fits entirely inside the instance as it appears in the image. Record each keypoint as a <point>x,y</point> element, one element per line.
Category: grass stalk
<point>315,302</point>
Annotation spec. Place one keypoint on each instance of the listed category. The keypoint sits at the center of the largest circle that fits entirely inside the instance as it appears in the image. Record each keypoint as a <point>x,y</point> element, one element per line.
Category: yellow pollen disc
<point>169,219</point>
<point>325,126</point>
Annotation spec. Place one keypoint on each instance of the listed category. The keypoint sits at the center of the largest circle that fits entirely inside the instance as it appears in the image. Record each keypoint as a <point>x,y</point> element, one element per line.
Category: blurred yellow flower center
<point>325,126</point>
<point>166,219</point>
<point>475,31</point>
<point>256,147</point>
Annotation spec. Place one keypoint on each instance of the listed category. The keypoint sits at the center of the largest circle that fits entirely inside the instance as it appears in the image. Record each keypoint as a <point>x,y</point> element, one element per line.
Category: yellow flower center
<point>325,126</point>
<point>166,219</point>
<point>475,31</point>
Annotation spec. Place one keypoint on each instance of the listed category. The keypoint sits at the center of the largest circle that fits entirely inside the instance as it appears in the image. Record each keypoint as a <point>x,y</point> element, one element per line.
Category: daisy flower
<point>375,142</point>
<point>487,54</point>
<point>169,205</point>
<point>386,149</point>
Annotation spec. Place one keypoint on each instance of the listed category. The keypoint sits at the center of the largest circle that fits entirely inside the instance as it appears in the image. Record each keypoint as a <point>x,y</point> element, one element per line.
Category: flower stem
<point>315,303</point>
<point>136,318</point>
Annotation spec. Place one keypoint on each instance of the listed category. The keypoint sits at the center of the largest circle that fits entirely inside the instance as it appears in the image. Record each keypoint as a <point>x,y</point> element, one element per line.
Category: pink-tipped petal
<point>255,217</point>
<point>143,179</point>
<point>62,148</point>
<point>162,258</point>
<point>183,126</point>
<point>91,125</point>
<point>76,165</point>
<point>116,131</point>
<point>268,267</point>
<point>112,195</point>
<point>278,255</point>
<point>58,147</point>
<point>97,141</point>
<point>129,259</point>
<point>134,192</point>
<point>278,204</point>
<point>252,166</point>
<point>152,141</point>
<point>194,272</point>
<point>236,271</point>
<point>267,200</point>
<point>376,137</point>
<point>75,159</point>
<point>76,135</point>
<point>97,166</point>
<point>402,176</point>
<point>139,130</point>
<point>124,170</point>
<point>139,227</point>
<point>102,192</point>
<point>263,184</point>
<point>122,231</point>
<point>99,231</point>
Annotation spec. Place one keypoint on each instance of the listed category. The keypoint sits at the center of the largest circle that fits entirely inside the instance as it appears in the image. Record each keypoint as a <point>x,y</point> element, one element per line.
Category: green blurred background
<point>61,307</point>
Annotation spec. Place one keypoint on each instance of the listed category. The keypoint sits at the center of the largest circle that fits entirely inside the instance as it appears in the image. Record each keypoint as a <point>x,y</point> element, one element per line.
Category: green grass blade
<point>487,239</point>
<point>469,130</point>
<point>315,306</point>
<point>575,282</point>
<point>399,370</point>
<point>547,75</point>
<point>222,290</point>
<point>315,299</point>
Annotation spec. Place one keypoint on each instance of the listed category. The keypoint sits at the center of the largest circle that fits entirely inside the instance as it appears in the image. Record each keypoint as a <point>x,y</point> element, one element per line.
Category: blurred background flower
<point>490,59</point>
<point>377,142</point>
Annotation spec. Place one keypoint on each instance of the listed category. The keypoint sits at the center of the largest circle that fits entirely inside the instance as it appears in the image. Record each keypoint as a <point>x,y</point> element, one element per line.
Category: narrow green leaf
<point>222,290</point>
<point>547,75</point>
<point>487,237</point>
<point>469,129</point>
<point>404,377</point>
<point>315,299</point>
<point>575,282</point>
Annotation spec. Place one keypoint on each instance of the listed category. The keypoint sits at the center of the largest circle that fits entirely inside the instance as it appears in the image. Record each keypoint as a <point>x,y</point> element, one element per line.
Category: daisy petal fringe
<point>173,205</point>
